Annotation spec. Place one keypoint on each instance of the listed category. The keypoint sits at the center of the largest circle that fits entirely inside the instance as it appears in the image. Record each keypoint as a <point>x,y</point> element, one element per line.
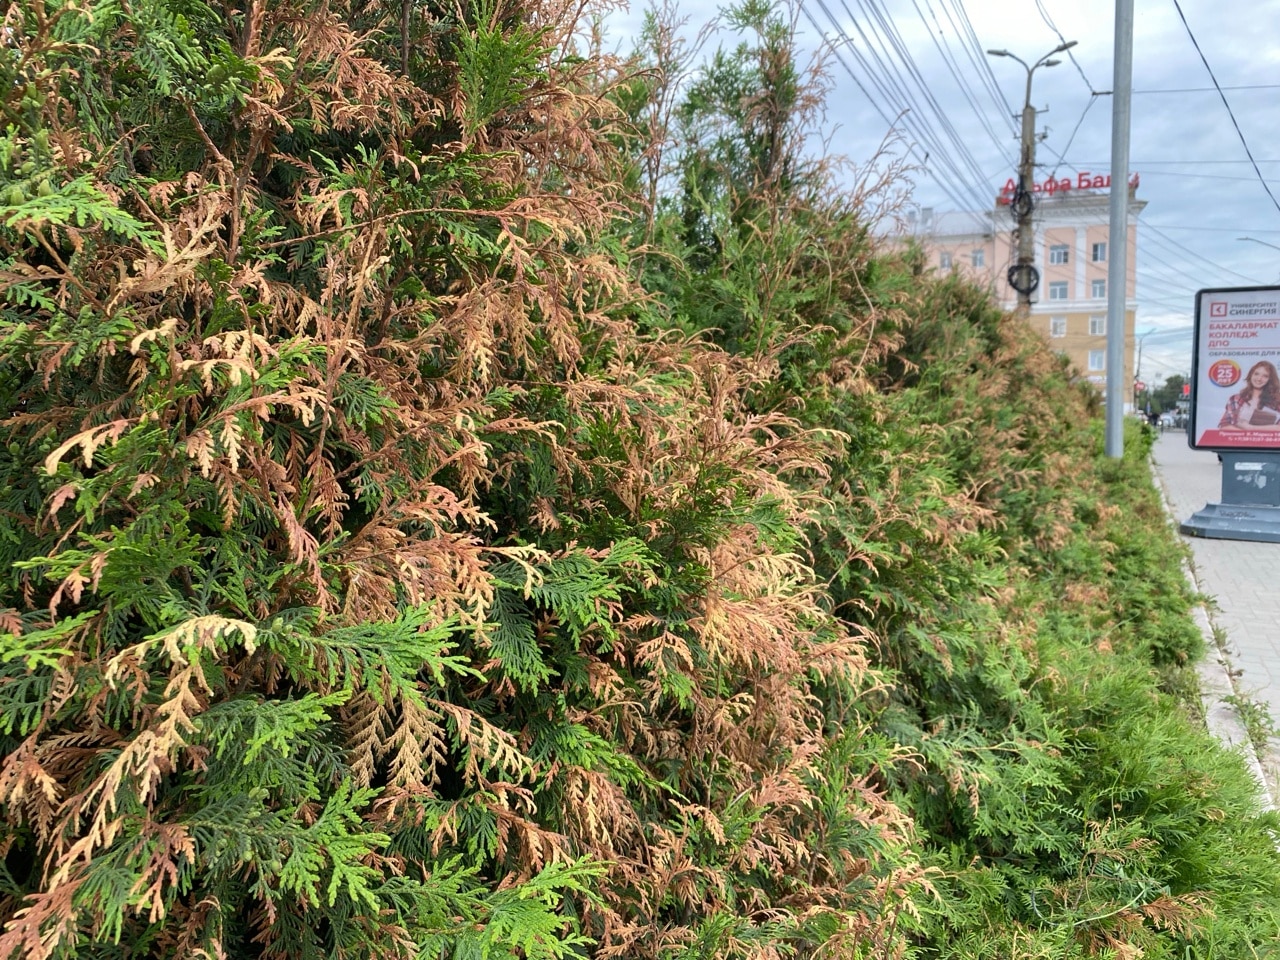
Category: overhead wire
<point>1203,176</point>
<point>1158,238</point>
<point>907,121</point>
<point>1162,276</point>
<point>891,30</point>
<point>1170,163</point>
<point>952,64</point>
<point>1167,333</point>
<point>875,103</point>
<point>982,63</point>
<point>1195,43</point>
<point>1198,227</point>
<point>1071,139</point>
<point>910,117</point>
<point>1198,257</point>
<point>1180,369</point>
<point>896,76</point>
<point>1169,273</point>
<point>1166,282</point>
<point>1044,15</point>
<point>1247,86</point>
<point>1180,253</point>
<point>888,37</point>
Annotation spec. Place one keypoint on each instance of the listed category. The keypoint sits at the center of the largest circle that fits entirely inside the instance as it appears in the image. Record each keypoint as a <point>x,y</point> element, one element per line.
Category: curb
<point>1216,683</point>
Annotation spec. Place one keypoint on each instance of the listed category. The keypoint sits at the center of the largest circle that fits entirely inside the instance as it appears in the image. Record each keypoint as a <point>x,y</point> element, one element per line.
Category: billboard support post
<point>1250,507</point>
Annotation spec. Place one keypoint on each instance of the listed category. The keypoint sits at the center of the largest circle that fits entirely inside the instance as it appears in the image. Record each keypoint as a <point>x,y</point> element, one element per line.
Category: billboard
<point>1236,401</point>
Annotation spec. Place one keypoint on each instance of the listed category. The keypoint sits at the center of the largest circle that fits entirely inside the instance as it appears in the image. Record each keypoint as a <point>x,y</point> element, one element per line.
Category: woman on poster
<point>1257,406</point>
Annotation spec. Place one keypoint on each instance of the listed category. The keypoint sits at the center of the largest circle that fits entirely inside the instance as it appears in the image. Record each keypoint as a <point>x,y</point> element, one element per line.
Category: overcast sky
<point>926,57</point>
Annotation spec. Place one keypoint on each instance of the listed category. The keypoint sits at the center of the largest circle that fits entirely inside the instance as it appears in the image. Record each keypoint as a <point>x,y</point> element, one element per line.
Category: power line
<point>887,80</point>
<point>982,62</point>
<point>1199,257</point>
<point>1252,86</point>
<point>952,64</point>
<point>1197,228</point>
<point>1170,302</point>
<point>1180,252</point>
<point>892,124</point>
<point>1201,176</point>
<point>897,83</point>
<point>889,30</point>
<point>1225,103</point>
<point>1044,14</point>
<point>1171,163</point>
<point>1167,333</point>
<point>1180,369</point>
<point>1165,274</point>
<point>1092,100</point>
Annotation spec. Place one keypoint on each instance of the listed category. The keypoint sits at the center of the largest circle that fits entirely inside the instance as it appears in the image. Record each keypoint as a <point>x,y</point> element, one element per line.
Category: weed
<point>1255,714</point>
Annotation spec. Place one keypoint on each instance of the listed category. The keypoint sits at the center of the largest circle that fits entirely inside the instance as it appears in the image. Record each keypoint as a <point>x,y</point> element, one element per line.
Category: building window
<point>1099,289</point>
<point>1097,360</point>
<point>1058,290</point>
<point>944,260</point>
<point>1057,326</point>
<point>1058,253</point>
<point>1099,252</point>
<point>1097,326</point>
<point>978,257</point>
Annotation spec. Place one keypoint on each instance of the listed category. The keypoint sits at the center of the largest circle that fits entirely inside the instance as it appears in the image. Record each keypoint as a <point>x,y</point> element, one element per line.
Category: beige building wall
<point>1071,249</point>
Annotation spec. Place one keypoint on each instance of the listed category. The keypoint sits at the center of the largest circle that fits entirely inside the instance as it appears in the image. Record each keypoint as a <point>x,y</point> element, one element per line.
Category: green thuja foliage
<point>418,541</point>
<point>372,586</point>
<point>1036,622</point>
<point>1031,622</point>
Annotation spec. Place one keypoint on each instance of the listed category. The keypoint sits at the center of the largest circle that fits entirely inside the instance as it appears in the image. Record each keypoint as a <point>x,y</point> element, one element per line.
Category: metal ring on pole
<point>1024,278</point>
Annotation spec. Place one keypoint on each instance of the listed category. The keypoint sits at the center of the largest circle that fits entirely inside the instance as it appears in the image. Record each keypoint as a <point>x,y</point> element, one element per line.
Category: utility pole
<point>1026,184</point>
<point>1118,245</point>
<point>1023,276</point>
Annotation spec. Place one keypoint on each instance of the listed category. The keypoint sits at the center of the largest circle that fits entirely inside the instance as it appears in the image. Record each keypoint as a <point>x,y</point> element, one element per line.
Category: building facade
<point>1072,254</point>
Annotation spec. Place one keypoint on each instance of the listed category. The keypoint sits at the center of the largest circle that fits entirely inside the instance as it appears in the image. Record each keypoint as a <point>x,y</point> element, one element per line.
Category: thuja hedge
<point>417,542</point>
<point>1066,789</point>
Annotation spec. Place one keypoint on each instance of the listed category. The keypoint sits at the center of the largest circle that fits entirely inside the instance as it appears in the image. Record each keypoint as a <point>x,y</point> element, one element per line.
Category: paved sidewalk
<point>1242,579</point>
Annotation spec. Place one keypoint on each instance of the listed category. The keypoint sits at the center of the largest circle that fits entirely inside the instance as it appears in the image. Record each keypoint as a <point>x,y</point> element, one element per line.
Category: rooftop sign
<point>1051,186</point>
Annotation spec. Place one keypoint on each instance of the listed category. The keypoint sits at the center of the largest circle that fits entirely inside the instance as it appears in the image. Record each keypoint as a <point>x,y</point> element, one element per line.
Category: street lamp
<point>1023,276</point>
<point>1042,62</point>
<point>1263,242</point>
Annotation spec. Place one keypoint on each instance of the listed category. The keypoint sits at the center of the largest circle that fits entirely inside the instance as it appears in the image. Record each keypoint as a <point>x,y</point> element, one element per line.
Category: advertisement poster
<point>1236,405</point>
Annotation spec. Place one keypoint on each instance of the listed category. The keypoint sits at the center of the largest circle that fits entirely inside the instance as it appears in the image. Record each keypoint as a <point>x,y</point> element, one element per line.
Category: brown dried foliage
<point>452,273</point>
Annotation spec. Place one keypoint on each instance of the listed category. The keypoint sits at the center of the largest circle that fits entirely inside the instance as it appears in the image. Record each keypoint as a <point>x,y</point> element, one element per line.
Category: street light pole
<point>1024,278</point>
<point>1263,242</point>
<point>1137,371</point>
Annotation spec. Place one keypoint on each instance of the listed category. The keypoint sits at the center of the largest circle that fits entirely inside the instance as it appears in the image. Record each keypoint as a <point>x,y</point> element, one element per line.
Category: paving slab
<point>1241,581</point>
